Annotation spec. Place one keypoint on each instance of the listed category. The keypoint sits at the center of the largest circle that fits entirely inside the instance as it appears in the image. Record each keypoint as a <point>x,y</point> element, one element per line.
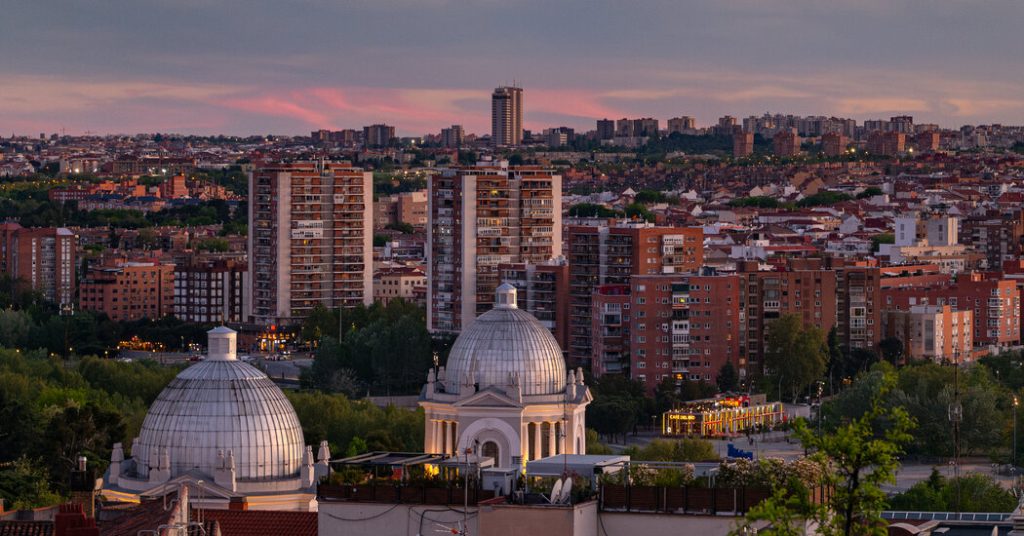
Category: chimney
<point>84,487</point>
<point>72,521</point>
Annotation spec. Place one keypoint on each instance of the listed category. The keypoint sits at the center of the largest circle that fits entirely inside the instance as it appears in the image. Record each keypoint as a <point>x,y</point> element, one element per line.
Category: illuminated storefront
<point>274,339</point>
<point>717,417</point>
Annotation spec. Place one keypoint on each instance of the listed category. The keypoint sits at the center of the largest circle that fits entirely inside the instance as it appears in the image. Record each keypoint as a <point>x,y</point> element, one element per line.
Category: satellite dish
<point>566,490</point>
<point>556,491</point>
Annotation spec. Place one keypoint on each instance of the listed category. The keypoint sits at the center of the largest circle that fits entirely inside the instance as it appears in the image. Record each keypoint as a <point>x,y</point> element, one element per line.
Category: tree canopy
<point>795,354</point>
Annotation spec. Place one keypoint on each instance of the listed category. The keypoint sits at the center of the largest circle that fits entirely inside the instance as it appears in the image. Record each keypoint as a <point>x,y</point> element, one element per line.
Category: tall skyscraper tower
<point>310,239</point>
<point>480,218</point>
<point>507,116</point>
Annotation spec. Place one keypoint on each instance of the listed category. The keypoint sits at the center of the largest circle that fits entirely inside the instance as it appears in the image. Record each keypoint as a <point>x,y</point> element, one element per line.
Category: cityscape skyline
<point>205,68</point>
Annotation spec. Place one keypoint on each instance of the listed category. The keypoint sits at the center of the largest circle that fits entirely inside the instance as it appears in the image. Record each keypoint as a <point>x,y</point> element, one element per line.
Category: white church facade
<point>505,392</point>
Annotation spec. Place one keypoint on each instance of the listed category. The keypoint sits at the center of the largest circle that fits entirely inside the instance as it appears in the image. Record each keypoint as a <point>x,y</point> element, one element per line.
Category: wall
<point>376,519</point>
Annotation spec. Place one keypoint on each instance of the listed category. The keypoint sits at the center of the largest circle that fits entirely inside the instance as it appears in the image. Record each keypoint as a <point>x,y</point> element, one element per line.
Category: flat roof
<point>582,464</point>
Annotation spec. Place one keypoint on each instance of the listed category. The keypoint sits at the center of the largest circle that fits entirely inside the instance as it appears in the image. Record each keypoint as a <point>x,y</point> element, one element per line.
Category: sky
<point>291,66</point>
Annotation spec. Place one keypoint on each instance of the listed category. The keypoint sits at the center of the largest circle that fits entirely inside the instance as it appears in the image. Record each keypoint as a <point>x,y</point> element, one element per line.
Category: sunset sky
<point>290,66</point>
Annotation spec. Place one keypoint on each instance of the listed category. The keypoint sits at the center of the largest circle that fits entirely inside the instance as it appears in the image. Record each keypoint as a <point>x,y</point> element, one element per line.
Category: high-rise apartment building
<point>803,289</point>
<point>380,135</point>
<point>605,129</point>
<point>310,239</point>
<point>452,136</point>
<point>608,254</point>
<point>208,289</point>
<point>559,136</point>
<point>507,116</point>
<point>927,141</point>
<point>644,127</point>
<point>995,303</point>
<point>903,124</point>
<point>858,303</point>
<point>682,125</point>
<point>886,143</point>
<point>543,291</point>
<point>726,126</point>
<point>481,217</point>
<point>742,144</point>
<point>833,143</point>
<point>786,143</point>
<point>679,326</point>
<point>42,258</point>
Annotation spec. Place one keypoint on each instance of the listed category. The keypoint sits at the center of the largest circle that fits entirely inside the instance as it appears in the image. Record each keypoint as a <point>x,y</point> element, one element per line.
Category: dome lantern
<point>221,343</point>
<point>505,297</point>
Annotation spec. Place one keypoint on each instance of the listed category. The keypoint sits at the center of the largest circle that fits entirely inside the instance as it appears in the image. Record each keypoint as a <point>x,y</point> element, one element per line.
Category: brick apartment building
<point>833,143</point>
<point>679,326</point>
<point>886,143</point>
<point>994,301</point>
<point>786,143</point>
<point>802,288</point>
<point>128,291</point>
<point>996,234</point>
<point>211,290</point>
<point>609,254</point>
<point>42,258</point>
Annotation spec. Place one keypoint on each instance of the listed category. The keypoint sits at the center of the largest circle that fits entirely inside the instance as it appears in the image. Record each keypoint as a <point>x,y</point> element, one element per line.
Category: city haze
<point>269,67</point>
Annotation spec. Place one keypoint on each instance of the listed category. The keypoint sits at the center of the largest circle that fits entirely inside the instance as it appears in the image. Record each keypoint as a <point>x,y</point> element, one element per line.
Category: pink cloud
<point>280,106</point>
<point>570,102</point>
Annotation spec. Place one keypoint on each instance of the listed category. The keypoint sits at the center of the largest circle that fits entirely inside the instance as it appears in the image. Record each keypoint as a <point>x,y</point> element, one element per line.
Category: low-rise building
<point>403,282</point>
<point>934,332</point>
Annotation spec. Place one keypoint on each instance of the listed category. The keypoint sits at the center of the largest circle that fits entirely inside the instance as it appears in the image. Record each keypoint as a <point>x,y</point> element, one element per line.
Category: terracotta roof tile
<point>262,523</point>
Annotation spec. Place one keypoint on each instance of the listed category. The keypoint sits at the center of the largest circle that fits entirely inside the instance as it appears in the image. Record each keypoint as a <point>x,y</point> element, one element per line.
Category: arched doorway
<point>491,450</point>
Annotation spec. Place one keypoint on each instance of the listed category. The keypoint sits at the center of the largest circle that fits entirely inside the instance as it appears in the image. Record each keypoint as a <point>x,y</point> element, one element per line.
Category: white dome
<point>222,405</point>
<point>506,342</point>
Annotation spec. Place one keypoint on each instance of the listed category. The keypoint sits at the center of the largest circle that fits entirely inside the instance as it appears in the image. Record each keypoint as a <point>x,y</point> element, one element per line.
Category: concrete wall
<point>508,520</point>
<point>345,519</point>
<point>374,519</point>
<point>625,524</point>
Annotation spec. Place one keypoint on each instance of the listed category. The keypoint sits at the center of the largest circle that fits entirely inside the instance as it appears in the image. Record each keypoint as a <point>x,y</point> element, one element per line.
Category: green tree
<point>891,349</point>
<point>591,210</point>
<point>795,354</point>
<point>14,328</point>
<point>675,450</point>
<point>970,493</point>
<point>862,455</point>
<point>321,322</point>
<point>612,417</point>
<point>728,380</point>
<point>879,239</point>
<point>594,444</point>
<point>24,484</point>
<point>640,212</point>
<point>89,431</point>
<point>217,245</point>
